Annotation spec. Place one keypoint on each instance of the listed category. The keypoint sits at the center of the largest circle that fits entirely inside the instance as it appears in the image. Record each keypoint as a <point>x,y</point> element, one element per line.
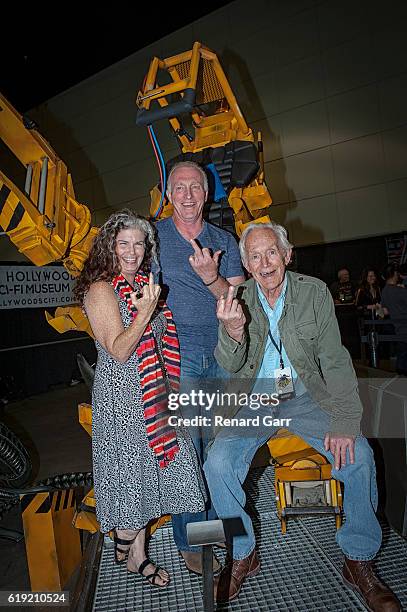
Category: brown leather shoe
<point>233,576</point>
<point>193,562</point>
<point>360,576</point>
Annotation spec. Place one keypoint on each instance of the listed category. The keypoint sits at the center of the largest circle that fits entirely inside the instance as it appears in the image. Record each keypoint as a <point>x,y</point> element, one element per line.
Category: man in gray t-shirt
<point>193,304</point>
<point>394,300</point>
<point>198,263</point>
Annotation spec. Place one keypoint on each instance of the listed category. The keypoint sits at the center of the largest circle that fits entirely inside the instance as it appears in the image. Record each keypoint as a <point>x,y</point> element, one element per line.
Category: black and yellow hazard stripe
<point>52,543</point>
<point>23,223</point>
<point>63,500</point>
<point>55,500</point>
<point>11,208</point>
<point>11,215</point>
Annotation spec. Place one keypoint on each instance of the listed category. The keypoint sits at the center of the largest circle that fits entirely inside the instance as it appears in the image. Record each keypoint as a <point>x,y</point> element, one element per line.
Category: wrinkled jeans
<point>198,367</point>
<point>233,449</point>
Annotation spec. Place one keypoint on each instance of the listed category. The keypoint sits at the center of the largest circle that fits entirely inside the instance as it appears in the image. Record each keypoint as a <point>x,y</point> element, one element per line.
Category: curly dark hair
<point>102,262</point>
<point>363,280</point>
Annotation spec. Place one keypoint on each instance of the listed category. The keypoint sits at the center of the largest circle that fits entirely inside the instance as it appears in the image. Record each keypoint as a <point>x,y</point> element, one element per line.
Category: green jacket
<point>310,335</point>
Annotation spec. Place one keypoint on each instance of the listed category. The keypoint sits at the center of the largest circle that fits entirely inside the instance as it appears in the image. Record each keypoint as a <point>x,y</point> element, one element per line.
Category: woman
<point>143,468</point>
<point>368,295</point>
<point>368,305</point>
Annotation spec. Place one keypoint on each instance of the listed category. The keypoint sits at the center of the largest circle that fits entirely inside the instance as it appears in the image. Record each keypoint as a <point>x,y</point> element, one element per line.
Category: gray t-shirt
<point>192,304</point>
<point>394,298</point>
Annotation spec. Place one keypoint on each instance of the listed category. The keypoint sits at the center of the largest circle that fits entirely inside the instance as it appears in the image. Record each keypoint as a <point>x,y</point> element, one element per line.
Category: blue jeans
<point>199,370</point>
<point>230,456</point>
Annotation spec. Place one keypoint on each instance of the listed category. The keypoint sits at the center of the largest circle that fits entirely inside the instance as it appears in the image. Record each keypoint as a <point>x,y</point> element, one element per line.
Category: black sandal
<point>152,577</point>
<point>127,543</point>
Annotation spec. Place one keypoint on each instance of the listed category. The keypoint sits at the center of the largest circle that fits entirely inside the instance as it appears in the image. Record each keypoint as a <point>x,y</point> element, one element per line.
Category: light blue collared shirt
<point>271,357</point>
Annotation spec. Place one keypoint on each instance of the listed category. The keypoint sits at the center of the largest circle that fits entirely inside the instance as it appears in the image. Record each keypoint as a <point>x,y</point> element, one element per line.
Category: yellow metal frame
<point>52,544</point>
<point>294,460</point>
<point>215,128</point>
<point>62,230</point>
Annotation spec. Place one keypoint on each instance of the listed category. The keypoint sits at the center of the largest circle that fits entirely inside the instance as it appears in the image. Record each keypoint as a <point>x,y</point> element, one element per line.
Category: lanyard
<point>279,349</point>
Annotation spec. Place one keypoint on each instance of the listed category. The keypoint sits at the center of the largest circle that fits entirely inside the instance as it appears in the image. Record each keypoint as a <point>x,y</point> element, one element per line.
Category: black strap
<point>279,349</point>
<point>152,578</point>
<point>143,566</point>
<point>123,542</point>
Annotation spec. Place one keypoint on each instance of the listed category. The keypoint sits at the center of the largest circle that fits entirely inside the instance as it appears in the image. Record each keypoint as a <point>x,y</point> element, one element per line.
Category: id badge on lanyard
<point>283,376</point>
<point>284,383</point>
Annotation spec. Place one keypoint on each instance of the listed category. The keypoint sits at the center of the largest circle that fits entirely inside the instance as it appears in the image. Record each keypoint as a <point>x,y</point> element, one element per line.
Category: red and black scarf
<point>161,437</point>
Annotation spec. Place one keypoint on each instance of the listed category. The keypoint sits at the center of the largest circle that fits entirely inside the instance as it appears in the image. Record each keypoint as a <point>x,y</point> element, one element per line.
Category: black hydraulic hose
<point>15,463</point>
<point>15,468</point>
<point>71,480</point>
<point>15,471</point>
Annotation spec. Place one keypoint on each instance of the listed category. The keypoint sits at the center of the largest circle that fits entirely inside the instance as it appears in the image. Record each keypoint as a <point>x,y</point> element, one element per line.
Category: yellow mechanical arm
<point>45,222</point>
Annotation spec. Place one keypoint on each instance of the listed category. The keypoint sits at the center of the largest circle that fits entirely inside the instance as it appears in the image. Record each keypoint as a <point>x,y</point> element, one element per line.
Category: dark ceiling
<point>39,61</point>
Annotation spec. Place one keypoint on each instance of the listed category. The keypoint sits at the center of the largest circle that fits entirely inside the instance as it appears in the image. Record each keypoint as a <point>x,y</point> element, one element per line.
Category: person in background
<point>394,303</point>
<point>368,305</point>
<point>403,274</point>
<point>343,291</point>
<point>368,295</point>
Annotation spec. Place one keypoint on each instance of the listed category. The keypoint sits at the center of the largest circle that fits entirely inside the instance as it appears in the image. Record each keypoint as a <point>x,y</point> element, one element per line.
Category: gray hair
<point>102,262</point>
<point>187,164</point>
<point>128,219</point>
<point>281,233</point>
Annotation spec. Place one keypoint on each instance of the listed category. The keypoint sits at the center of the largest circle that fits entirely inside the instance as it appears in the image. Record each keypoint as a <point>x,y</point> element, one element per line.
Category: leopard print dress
<point>130,487</point>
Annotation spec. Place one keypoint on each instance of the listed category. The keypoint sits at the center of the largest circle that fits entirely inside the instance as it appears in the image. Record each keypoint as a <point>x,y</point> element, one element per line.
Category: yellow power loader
<point>47,224</point>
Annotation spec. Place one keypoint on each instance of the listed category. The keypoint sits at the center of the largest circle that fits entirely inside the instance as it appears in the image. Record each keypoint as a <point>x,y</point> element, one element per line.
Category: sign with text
<point>35,287</point>
<point>396,247</point>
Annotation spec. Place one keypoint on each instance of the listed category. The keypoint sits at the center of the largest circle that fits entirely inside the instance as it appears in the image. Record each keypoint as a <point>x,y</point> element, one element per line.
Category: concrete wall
<point>326,83</point>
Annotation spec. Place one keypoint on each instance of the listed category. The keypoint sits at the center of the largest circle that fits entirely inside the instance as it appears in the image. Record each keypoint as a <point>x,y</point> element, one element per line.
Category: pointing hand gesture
<point>147,302</point>
<point>204,264</point>
<point>230,312</point>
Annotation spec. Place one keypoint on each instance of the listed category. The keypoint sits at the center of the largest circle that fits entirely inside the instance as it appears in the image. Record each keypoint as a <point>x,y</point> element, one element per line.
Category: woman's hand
<point>148,301</point>
<point>103,312</point>
<point>381,311</point>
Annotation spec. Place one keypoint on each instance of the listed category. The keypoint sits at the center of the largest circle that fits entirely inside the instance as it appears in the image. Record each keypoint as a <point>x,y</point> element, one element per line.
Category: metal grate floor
<point>301,571</point>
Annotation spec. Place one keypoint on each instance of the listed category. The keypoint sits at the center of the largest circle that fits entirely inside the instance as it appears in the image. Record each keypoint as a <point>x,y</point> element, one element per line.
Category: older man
<point>343,291</point>
<point>283,326</point>
<point>199,262</point>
